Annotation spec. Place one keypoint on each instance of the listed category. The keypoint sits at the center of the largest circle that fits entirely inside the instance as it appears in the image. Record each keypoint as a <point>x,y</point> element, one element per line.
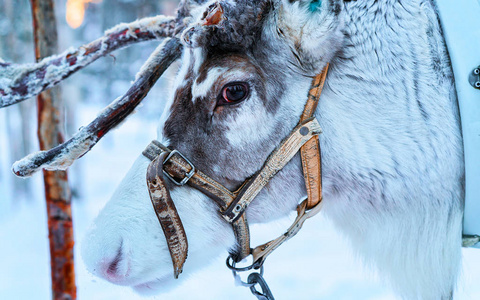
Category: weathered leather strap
<point>242,236</point>
<point>232,205</point>
<point>261,252</point>
<point>178,167</point>
<point>167,214</point>
<point>312,171</point>
<point>275,162</point>
<point>314,95</point>
<point>310,152</point>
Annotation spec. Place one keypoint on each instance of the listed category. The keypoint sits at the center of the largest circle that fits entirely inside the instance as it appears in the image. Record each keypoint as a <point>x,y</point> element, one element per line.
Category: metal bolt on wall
<point>474,78</point>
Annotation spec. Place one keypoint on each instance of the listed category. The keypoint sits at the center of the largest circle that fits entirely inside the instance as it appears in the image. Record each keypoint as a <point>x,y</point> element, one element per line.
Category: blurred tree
<point>50,134</point>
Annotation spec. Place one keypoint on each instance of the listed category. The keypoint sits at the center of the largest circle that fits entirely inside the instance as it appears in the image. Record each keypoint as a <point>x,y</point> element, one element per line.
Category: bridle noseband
<point>232,205</point>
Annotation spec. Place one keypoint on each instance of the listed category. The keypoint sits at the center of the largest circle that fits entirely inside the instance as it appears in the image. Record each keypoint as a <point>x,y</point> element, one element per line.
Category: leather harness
<point>232,205</point>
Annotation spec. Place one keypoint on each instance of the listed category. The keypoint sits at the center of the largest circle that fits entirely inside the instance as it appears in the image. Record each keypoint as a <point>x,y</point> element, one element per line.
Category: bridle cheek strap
<point>174,165</point>
<point>232,205</point>
<point>311,152</point>
<point>167,214</point>
<point>277,160</point>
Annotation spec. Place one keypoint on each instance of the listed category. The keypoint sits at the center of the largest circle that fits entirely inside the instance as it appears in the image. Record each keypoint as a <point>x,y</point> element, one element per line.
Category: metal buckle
<point>187,176</point>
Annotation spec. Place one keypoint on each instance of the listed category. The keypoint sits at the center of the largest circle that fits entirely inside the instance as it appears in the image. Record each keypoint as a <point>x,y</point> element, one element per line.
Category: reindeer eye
<point>233,93</point>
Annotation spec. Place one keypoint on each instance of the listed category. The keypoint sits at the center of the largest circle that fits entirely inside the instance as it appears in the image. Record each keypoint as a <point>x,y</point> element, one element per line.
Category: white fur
<point>201,90</point>
<point>392,165</point>
<point>130,223</point>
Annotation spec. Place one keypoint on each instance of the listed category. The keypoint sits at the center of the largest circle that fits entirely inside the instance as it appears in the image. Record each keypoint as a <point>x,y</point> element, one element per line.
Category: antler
<point>20,82</point>
<point>52,70</point>
<point>62,156</point>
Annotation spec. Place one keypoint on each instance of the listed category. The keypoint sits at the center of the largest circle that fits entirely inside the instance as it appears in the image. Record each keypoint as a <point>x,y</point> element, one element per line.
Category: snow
<point>53,74</point>
<point>315,264</point>
<point>82,142</point>
<point>57,67</point>
<point>151,24</point>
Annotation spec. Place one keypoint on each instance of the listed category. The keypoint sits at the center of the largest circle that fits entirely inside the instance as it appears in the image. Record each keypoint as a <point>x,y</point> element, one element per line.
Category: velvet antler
<point>20,82</point>
<point>62,156</point>
<point>14,87</point>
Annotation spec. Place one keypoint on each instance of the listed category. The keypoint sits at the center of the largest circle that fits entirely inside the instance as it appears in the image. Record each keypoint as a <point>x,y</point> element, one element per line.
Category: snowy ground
<point>316,264</point>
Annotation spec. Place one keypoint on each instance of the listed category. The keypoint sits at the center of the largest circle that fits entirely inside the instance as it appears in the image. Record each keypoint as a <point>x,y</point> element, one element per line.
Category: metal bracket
<point>474,78</point>
<point>470,240</point>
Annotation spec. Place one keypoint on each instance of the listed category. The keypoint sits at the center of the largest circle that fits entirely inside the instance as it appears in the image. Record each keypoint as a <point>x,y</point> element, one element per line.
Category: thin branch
<point>61,157</point>
<point>20,82</point>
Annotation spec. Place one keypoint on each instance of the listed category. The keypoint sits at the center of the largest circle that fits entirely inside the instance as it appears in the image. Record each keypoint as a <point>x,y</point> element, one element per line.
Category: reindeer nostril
<point>113,267</point>
<point>117,269</point>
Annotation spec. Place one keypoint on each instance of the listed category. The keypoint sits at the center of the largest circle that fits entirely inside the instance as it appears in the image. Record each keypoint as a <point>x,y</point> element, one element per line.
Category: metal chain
<point>255,278</point>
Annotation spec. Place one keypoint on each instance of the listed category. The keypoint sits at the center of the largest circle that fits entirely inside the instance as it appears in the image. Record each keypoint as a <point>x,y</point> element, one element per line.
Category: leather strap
<point>311,152</point>
<point>261,252</point>
<point>177,167</point>
<point>314,95</point>
<point>232,205</point>
<point>167,215</point>
<point>242,236</point>
<point>275,162</point>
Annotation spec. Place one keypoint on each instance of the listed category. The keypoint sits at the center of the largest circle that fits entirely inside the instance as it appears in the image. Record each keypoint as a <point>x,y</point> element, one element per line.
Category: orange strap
<point>310,152</point>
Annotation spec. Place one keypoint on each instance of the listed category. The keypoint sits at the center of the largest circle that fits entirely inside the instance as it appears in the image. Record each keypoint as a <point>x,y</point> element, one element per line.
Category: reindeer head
<point>245,65</point>
<point>245,72</point>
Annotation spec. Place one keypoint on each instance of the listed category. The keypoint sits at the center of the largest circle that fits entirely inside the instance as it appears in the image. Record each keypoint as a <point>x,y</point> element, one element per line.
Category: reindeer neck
<point>385,37</point>
<point>387,98</point>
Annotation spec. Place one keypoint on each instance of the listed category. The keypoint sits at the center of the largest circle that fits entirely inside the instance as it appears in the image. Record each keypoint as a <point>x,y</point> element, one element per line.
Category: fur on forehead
<point>236,25</point>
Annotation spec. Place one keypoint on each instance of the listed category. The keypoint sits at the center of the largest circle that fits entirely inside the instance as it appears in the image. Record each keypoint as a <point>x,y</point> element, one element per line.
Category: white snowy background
<point>316,264</point>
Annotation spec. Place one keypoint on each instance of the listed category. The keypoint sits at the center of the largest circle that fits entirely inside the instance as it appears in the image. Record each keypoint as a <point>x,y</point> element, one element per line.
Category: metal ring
<point>240,282</point>
<point>231,265</point>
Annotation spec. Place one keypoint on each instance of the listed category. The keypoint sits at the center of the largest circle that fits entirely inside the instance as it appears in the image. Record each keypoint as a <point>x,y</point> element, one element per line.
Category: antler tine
<point>20,82</point>
<point>62,156</point>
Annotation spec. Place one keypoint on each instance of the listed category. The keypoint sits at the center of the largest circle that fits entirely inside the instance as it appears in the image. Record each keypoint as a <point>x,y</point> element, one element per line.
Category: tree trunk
<point>50,134</point>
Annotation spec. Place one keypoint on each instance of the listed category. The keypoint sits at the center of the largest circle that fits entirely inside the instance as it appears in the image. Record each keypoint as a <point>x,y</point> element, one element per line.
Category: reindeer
<point>392,156</point>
